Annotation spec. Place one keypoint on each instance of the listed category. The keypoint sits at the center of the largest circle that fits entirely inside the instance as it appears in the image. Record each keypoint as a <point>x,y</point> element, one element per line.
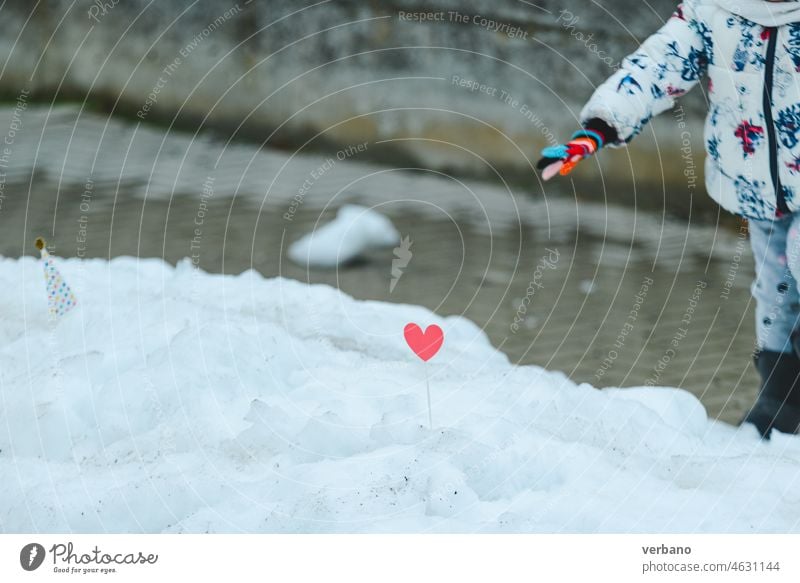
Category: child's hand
<point>563,158</point>
<point>595,134</point>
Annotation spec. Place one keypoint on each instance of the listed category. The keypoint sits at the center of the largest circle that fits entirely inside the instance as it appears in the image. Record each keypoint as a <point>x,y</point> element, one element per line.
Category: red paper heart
<point>424,344</point>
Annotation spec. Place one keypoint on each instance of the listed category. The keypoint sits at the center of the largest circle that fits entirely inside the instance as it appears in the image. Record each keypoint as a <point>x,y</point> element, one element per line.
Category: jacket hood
<point>764,12</point>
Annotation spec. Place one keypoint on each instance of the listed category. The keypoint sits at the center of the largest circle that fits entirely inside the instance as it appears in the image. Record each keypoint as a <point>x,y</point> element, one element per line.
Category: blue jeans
<point>776,250</point>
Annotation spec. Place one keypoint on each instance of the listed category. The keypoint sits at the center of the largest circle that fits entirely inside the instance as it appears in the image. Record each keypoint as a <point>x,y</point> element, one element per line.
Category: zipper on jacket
<point>769,71</point>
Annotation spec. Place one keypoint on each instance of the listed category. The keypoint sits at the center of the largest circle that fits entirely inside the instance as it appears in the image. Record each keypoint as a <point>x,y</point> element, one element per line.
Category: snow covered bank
<point>172,400</point>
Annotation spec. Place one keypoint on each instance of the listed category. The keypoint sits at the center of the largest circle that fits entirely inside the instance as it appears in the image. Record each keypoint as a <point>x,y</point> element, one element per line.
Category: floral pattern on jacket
<point>703,40</point>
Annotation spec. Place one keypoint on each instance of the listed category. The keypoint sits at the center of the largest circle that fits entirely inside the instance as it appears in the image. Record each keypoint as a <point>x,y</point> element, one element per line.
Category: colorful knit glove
<point>563,158</point>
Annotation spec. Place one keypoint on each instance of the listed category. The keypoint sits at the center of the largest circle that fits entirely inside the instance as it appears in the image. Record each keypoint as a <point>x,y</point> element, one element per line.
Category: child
<point>750,50</point>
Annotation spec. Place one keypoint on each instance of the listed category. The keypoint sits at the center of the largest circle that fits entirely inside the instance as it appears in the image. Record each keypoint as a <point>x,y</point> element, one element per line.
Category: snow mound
<point>355,230</point>
<point>171,400</point>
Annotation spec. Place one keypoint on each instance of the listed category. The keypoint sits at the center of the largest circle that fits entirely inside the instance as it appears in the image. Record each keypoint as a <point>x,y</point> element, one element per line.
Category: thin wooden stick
<point>428,387</point>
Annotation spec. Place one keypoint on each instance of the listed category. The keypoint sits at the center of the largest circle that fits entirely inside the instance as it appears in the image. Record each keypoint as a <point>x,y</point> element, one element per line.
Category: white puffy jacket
<point>752,132</point>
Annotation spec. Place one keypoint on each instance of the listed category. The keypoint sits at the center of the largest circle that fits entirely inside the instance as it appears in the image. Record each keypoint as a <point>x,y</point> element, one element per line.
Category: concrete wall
<point>343,72</point>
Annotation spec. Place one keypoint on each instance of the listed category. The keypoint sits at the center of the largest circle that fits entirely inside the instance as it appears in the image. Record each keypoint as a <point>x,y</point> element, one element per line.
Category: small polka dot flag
<point>60,298</point>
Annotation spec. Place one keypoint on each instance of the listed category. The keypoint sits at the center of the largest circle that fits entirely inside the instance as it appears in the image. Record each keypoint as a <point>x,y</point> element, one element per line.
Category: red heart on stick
<point>424,344</point>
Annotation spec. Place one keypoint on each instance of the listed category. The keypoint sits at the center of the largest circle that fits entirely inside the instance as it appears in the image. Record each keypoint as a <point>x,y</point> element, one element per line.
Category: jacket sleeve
<point>664,67</point>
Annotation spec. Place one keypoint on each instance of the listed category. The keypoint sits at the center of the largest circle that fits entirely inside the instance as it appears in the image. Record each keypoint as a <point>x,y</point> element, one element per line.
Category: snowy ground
<point>177,401</point>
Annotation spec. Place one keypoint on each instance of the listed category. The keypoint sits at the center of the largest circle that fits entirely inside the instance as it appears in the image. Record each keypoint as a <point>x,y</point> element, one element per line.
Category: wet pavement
<point>611,296</point>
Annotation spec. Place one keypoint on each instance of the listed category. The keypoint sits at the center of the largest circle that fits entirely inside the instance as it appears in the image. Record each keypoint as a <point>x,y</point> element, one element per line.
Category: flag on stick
<point>425,345</point>
<point>60,298</point>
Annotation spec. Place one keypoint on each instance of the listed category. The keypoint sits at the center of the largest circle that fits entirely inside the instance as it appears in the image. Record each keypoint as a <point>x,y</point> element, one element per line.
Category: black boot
<point>778,403</point>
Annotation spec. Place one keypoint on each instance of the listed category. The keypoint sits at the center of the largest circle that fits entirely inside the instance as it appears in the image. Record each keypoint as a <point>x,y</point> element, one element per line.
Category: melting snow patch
<point>354,231</point>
